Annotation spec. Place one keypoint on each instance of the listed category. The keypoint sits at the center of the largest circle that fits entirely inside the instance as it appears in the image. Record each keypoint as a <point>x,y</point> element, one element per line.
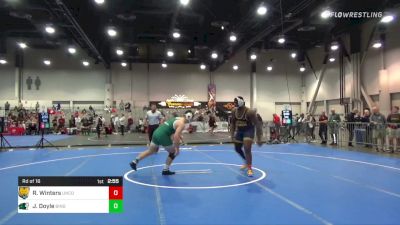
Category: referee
<point>153,119</point>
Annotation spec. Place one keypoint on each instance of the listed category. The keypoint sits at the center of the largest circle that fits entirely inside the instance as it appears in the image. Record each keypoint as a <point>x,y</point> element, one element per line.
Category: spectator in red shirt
<point>277,123</point>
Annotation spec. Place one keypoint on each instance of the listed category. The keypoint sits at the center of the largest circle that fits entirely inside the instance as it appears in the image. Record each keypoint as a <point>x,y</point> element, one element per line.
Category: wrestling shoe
<point>167,172</point>
<point>133,165</point>
<point>250,173</point>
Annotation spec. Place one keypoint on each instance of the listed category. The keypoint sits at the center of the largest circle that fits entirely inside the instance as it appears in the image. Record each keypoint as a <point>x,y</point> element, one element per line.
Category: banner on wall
<point>212,92</point>
<point>179,102</point>
<point>226,106</point>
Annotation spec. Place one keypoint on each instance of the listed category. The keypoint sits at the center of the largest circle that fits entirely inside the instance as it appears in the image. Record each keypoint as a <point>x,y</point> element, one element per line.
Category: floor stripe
<point>8,216</point>
<point>279,196</point>
<point>337,177</point>
<point>77,167</point>
<point>161,214</point>
<point>193,171</point>
<point>334,158</point>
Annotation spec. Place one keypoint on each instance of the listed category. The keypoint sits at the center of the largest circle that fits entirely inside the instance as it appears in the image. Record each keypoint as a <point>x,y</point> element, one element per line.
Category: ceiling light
<point>111,32</point>
<point>85,63</point>
<point>326,14</point>
<point>332,59</point>
<point>176,35</point>
<point>302,69</point>
<point>222,27</point>
<point>47,62</point>
<point>387,19</point>
<point>164,65</point>
<point>202,67</point>
<point>3,61</point>
<point>22,45</point>
<point>214,55</point>
<point>189,51</point>
<point>253,56</point>
<point>49,29</point>
<point>377,44</point>
<point>281,40</point>
<point>232,38</point>
<point>99,2</point>
<point>293,55</point>
<point>72,50</point>
<point>184,2</point>
<point>269,68</point>
<point>261,10</point>
<point>124,64</point>
<point>334,46</point>
<point>235,67</point>
<point>170,53</point>
<point>119,52</point>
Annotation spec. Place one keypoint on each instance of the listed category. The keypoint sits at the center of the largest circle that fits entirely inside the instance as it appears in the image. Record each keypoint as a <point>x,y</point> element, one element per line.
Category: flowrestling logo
<point>353,15</point>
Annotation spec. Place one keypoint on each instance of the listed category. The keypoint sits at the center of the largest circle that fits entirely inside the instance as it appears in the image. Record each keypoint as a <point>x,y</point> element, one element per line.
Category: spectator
<point>61,125</point>
<point>212,123</point>
<point>351,119</point>
<point>116,123</point>
<point>300,122</point>
<point>293,126</point>
<point>7,107</point>
<point>37,106</point>
<point>54,123</point>
<point>130,123</point>
<point>366,124</point>
<point>323,128</point>
<point>333,122</point>
<point>122,122</point>
<point>378,122</point>
<point>99,125</point>
<point>309,128</point>
<point>314,123</point>
<point>78,123</point>
<point>72,122</point>
<point>121,106</point>
<point>128,107</point>
<point>277,123</point>
<point>393,128</point>
<point>140,127</point>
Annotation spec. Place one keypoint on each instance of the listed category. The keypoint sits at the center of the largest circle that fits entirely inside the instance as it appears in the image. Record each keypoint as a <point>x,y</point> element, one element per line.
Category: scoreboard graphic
<point>70,194</point>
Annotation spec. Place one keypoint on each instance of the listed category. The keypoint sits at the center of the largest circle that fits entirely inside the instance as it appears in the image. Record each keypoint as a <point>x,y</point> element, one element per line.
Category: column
<point>108,97</point>
<point>384,94</point>
<point>253,85</point>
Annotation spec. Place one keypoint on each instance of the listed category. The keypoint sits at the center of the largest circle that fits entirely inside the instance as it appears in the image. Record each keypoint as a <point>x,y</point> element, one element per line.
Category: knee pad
<point>172,155</point>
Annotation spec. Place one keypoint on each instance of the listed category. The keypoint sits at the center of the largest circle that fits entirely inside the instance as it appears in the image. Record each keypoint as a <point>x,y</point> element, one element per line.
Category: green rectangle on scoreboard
<point>116,206</point>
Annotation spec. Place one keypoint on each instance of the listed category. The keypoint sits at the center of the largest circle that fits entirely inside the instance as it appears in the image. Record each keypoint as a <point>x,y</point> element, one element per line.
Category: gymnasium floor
<point>304,184</point>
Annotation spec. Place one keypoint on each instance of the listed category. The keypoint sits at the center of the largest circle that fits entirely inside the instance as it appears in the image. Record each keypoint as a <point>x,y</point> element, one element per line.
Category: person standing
<point>212,123</point>
<point>333,122</point>
<point>378,122</point>
<point>99,125</point>
<point>116,124</point>
<point>152,120</point>
<point>244,124</point>
<point>323,128</point>
<point>277,124</point>
<point>393,129</point>
<point>122,122</point>
<point>351,119</point>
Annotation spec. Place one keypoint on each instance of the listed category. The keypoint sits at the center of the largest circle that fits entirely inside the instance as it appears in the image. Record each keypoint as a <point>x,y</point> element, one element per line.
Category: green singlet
<point>162,135</point>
